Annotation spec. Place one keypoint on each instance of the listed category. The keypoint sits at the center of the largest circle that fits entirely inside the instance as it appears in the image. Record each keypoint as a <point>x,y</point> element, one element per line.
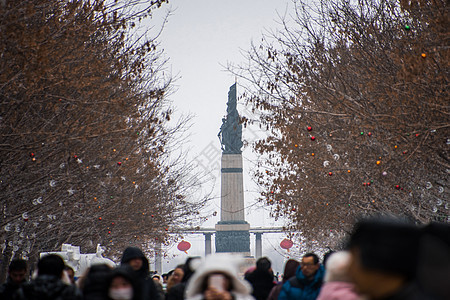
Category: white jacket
<point>222,263</point>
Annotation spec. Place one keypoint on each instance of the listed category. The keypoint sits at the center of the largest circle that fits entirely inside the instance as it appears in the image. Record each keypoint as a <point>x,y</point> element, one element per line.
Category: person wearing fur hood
<point>216,278</point>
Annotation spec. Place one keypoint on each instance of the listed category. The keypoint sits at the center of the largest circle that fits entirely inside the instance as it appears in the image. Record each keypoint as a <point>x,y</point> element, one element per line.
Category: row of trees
<point>355,97</point>
<point>85,135</point>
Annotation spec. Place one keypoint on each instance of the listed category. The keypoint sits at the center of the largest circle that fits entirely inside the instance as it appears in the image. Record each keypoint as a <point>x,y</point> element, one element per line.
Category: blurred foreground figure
<point>338,285</point>
<point>123,284</point>
<point>177,292</point>
<point>289,271</point>
<point>135,258</point>
<point>17,274</point>
<point>434,263</point>
<point>94,284</point>
<point>48,283</point>
<point>384,256</point>
<point>261,279</point>
<point>175,277</point>
<point>217,279</point>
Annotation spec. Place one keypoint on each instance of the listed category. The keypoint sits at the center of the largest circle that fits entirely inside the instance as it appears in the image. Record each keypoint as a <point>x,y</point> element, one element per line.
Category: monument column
<point>232,231</point>
<point>207,243</point>
<point>258,245</point>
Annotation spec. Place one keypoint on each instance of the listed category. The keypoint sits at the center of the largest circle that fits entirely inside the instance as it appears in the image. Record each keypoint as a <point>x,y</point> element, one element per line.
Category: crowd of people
<point>382,260</point>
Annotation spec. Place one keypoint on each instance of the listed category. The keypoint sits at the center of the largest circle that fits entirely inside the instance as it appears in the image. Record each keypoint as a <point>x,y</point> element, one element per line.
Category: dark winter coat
<point>148,289</point>
<point>8,289</point>
<point>47,287</point>
<point>95,285</point>
<point>262,283</point>
<point>410,292</point>
<point>300,288</point>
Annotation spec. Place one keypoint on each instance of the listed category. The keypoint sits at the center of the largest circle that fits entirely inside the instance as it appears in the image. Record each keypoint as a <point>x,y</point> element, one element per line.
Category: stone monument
<point>232,231</point>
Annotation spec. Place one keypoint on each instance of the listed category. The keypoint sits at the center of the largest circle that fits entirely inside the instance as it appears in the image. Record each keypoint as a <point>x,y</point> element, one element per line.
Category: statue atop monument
<point>230,134</point>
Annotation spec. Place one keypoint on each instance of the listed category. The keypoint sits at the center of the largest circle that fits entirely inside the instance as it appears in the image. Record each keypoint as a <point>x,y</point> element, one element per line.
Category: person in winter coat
<point>48,283</point>
<point>338,285</point>
<point>289,271</point>
<point>217,279</point>
<point>433,270</point>
<point>306,283</point>
<point>17,273</point>
<point>384,257</point>
<point>94,284</point>
<point>261,279</point>
<point>175,277</point>
<point>177,291</point>
<point>123,284</point>
<point>135,258</point>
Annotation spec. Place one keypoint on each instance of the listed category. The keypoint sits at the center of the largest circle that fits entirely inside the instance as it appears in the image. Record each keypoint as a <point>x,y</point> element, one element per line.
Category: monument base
<point>233,237</point>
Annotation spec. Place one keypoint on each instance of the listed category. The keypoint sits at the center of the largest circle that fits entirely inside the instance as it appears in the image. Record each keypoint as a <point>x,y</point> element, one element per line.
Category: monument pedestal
<point>233,237</point>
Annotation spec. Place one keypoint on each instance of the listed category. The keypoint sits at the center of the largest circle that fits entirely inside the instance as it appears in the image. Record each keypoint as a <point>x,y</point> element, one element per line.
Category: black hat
<point>263,264</point>
<point>387,245</point>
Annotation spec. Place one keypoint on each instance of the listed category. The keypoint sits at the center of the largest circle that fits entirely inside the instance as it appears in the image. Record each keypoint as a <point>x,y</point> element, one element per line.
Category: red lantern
<point>184,246</point>
<point>286,244</point>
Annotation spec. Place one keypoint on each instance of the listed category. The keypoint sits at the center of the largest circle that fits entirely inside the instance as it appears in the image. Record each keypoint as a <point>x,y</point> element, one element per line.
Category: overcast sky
<point>201,36</point>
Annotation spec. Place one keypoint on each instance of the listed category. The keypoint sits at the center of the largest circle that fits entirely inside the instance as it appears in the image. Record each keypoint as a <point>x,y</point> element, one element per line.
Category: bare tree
<point>85,136</point>
<point>354,95</point>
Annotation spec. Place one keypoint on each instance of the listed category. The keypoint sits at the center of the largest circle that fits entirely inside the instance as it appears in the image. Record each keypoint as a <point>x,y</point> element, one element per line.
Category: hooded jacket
<point>49,288</point>
<point>148,289</point>
<point>127,273</point>
<point>300,288</point>
<point>218,263</point>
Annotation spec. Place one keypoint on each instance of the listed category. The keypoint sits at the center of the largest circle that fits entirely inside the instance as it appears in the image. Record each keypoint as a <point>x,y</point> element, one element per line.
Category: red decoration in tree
<point>286,244</point>
<point>330,173</point>
<point>184,246</point>
<point>313,138</point>
<point>100,218</point>
<point>309,128</point>
<point>397,187</point>
<point>32,154</point>
<point>119,163</point>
